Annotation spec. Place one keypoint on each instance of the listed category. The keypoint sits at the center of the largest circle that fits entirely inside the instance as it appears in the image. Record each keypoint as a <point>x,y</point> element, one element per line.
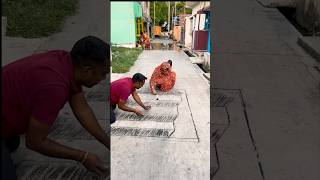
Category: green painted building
<point>124,22</point>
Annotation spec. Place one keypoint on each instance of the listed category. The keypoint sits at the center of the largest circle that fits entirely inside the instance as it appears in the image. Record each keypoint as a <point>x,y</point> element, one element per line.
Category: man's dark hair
<point>90,50</point>
<point>170,62</point>
<point>141,33</point>
<point>138,77</point>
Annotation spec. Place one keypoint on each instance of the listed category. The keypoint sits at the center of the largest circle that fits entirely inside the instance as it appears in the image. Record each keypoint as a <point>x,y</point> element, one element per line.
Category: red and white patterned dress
<point>163,78</point>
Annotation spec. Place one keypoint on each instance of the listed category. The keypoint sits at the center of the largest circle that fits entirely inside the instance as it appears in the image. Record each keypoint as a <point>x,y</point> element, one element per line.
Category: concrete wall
<point>188,32</point>
<point>177,33</point>
<point>200,20</point>
<point>307,11</point>
<point>308,14</point>
<point>206,59</point>
<point>123,23</point>
<point>137,9</point>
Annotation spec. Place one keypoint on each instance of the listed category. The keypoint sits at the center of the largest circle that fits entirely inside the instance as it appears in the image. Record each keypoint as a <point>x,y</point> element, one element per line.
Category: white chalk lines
<point>156,122</point>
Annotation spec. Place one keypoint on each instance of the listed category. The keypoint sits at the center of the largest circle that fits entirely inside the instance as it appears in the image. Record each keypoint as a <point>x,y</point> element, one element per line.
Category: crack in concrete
<point>251,134</point>
<point>192,117</point>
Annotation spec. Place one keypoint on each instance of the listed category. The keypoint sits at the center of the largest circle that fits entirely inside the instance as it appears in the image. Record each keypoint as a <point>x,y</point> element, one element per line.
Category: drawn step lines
<point>68,129</point>
<point>165,98</point>
<point>221,100</point>
<point>157,122</point>
<point>101,96</point>
<point>147,117</point>
<point>144,132</point>
<point>63,171</point>
<point>156,103</point>
<point>214,161</point>
<point>176,92</point>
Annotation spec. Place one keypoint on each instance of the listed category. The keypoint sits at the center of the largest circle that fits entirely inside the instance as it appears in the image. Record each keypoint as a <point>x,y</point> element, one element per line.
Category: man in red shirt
<point>121,89</point>
<point>35,89</point>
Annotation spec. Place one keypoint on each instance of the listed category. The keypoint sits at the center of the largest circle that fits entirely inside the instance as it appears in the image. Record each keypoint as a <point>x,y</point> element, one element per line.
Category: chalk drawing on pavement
<point>220,100</point>
<point>28,170</point>
<point>231,103</point>
<point>68,128</point>
<point>129,131</point>
<point>164,109</point>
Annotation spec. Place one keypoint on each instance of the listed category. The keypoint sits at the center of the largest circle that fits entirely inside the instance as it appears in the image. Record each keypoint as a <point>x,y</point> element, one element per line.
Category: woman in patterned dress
<point>145,41</point>
<point>163,78</point>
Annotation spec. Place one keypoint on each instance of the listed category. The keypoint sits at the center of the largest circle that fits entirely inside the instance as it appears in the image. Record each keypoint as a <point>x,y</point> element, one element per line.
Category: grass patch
<point>123,58</point>
<point>206,67</point>
<point>37,18</point>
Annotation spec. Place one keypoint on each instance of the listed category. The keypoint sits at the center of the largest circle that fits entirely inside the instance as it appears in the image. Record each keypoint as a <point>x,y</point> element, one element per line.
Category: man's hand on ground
<point>139,113</point>
<point>94,164</point>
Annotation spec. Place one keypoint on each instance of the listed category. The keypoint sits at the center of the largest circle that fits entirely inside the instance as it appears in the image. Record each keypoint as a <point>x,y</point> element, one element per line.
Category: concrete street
<point>172,140</point>
<point>266,103</point>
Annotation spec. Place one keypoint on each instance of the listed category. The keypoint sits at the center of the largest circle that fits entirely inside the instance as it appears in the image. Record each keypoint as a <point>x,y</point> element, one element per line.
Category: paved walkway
<point>172,140</point>
<point>266,102</point>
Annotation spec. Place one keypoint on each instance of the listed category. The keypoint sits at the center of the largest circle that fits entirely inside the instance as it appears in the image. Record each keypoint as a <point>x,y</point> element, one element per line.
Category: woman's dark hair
<point>170,62</point>
<point>138,77</point>
<point>90,50</point>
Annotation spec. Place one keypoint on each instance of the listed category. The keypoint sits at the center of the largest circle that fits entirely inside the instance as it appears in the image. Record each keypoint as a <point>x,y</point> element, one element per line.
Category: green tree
<point>161,12</point>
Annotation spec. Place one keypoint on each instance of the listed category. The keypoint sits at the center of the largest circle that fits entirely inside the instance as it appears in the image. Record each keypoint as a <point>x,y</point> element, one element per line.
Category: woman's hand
<point>154,92</point>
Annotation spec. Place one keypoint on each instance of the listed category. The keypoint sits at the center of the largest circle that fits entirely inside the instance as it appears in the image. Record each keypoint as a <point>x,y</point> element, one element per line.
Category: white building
<point>195,21</point>
<point>195,24</point>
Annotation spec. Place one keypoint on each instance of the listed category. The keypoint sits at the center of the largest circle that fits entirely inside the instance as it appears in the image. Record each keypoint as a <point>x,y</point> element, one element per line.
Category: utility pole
<point>148,17</point>
<point>175,12</point>
<point>175,8</point>
<point>172,17</point>
<point>154,13</point>
<point>169,16</point>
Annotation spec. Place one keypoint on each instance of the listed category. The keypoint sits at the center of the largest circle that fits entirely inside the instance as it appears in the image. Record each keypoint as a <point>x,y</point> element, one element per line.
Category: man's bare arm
<point>123,106</point>
<point>88,120</point>
<point>138,100</point>
<point>36,139</point>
